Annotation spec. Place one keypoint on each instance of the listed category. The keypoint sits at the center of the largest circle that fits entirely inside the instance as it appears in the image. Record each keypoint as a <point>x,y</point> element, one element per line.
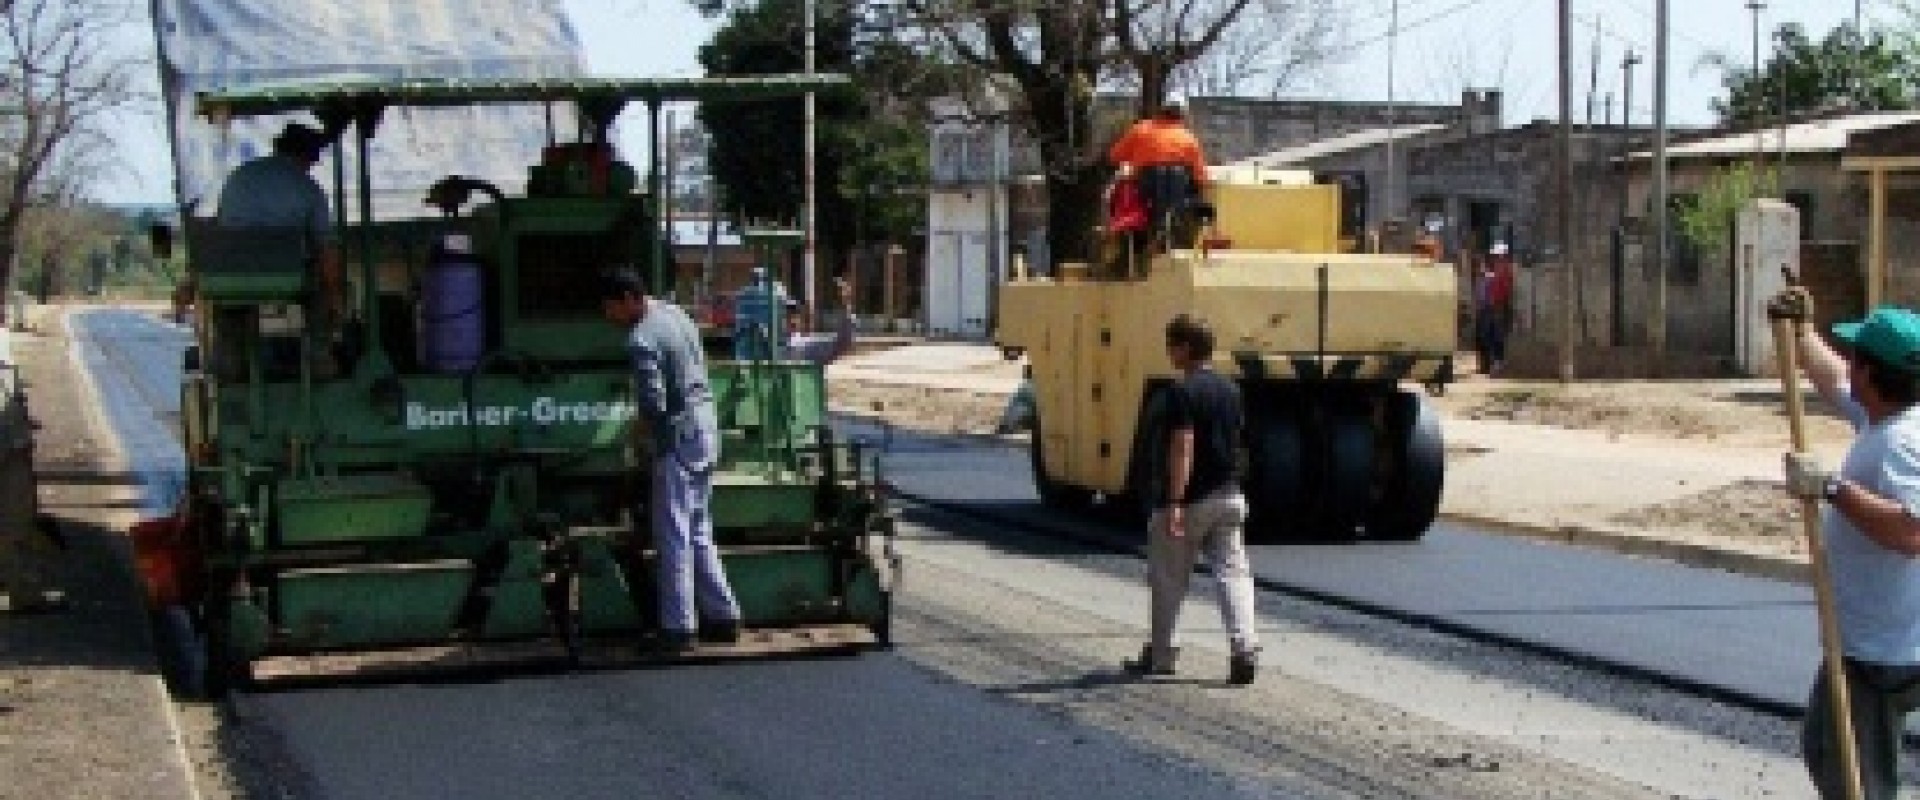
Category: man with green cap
<point>1870,372</point>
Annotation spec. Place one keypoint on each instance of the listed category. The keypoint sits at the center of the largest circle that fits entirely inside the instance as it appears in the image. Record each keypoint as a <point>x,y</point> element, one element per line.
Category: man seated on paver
<point>1871,537</point>
<point>277,191</point>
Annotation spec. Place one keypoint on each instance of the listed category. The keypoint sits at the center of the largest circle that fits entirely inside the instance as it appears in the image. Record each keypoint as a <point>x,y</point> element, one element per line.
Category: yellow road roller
<point>1332,351</point>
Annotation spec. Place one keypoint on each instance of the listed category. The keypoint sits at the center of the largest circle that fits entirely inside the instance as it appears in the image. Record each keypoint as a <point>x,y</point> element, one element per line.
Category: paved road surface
<point>1003,687</point>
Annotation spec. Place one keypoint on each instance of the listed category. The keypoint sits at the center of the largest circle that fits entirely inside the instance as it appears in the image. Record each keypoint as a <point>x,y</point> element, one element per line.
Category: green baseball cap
<point>1889,334</point>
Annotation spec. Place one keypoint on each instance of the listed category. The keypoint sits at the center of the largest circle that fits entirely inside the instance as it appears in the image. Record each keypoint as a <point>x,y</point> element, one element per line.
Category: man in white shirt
<point>1871,536</point>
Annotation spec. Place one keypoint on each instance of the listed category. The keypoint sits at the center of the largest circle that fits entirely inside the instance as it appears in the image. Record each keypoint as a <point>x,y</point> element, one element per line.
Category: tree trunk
<point>9,247</point>
<point>1075,168</point>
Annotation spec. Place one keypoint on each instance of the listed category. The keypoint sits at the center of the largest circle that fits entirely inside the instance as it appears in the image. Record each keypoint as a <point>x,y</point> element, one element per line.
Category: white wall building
<point>967,213</point>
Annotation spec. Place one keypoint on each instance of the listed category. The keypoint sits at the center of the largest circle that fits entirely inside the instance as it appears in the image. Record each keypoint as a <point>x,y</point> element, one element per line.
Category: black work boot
<point>720,631</point>
<point>1145,665</point>
<point>1241,668</point>
<point>671,642</point>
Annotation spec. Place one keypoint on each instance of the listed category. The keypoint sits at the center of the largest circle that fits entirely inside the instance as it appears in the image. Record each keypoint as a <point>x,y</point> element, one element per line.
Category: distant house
<point>1808,158</point>
<point>709,259</point>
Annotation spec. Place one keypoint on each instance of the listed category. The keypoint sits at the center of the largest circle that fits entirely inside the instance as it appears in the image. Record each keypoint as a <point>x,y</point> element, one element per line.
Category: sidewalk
<point>83,713</point>
<point>1696,501</point>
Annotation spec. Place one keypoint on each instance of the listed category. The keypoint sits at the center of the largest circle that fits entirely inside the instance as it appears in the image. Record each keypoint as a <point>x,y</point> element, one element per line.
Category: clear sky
<point>1443,45</point>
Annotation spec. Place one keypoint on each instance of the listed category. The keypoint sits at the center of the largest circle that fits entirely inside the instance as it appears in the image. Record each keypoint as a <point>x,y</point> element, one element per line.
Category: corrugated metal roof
<point>1358,140</point>
<point>1817,136</point>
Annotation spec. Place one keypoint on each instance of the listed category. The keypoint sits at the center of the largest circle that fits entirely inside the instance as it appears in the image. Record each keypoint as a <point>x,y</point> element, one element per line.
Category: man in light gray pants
<point>676,403</point>
<point>1198,505</point>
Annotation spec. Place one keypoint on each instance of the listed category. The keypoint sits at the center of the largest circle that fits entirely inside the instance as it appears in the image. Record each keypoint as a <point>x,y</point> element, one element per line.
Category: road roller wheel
<point>1415,473</point>
<point>1147,462</point>
<point>1276,479</point>
<point>1053,494</point>
<point>1347,475</point>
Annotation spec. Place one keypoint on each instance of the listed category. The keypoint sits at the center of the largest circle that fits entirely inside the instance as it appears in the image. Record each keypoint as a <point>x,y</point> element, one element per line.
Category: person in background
<point>1198,506</point>
<point>821,348</point>
<point>1871,536</point>
<point>675,402</point>
<point>1492,308</point>
<point>1166,163</point>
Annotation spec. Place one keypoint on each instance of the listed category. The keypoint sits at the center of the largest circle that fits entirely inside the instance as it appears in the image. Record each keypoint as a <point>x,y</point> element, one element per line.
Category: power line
<point>1417,23</point>
<point>1633,6</point>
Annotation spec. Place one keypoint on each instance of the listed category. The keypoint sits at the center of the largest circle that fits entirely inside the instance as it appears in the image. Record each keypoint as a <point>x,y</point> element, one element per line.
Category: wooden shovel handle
<point>1787,353</point>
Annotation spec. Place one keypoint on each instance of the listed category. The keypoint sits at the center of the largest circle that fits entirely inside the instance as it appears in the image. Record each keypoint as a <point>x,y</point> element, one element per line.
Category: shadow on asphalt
<point>104,623</point>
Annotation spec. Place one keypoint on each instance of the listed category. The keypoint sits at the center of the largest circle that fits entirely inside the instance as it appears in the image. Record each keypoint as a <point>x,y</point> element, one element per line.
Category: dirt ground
<point>1710,413</point>
<point>1705,413</point>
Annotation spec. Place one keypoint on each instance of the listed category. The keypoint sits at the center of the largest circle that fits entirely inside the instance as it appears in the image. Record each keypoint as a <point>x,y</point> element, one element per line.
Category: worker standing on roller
<point>1166,162</point>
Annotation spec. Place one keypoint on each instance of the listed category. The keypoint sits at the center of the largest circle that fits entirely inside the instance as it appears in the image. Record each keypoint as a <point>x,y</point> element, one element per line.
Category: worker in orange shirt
<point>1165,160</point>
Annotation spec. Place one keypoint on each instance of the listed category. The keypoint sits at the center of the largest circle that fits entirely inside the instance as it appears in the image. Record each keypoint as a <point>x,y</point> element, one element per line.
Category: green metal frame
<point>386,507</point>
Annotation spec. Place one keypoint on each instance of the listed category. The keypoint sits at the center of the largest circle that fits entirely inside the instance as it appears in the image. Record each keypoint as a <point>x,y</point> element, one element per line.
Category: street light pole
<point>1658,329</point>
<point>1626,88</point>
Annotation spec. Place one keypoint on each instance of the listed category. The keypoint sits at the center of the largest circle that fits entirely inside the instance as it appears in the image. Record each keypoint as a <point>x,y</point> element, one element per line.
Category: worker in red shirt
<point>1165,161</point>
<point>1493,307</point>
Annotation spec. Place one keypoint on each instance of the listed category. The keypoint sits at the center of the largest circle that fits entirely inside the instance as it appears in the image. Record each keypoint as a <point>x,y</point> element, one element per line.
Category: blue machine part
<point>759,320</point>
<point>452,309</point>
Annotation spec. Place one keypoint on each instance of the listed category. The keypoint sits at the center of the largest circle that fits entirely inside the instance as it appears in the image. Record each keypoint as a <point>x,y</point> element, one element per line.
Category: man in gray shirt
<point>277,191</point>
<point>675,402</point>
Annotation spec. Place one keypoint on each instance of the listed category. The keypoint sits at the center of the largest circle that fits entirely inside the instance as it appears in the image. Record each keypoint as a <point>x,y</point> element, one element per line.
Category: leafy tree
<point>868,142</point>
<point>1707,220</point>
<point>1047,59</point>
<point>1802,75</point>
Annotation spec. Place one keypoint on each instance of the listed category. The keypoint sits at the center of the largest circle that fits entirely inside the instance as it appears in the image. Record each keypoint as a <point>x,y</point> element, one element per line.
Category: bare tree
<point>60,87</point>
<point>1052,55</point>
<point>1277,46</point>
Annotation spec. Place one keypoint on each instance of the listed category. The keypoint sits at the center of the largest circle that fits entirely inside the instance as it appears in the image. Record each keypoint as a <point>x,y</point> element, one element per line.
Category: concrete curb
<point>1648,545</point>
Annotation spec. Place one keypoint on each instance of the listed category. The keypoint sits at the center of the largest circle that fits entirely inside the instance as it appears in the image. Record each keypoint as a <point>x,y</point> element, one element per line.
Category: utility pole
<point>1859,60</point>
<point>1393,110</point>
<point>1626,87</point>
<point>1563,187</point>
<point>808,215</point>
<point>1658,330</point>
<point>1593,70</point>
<point>1759,91</point>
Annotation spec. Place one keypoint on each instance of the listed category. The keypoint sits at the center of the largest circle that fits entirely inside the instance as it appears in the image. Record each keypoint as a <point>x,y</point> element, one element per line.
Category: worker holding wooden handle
<point>1866,541</point>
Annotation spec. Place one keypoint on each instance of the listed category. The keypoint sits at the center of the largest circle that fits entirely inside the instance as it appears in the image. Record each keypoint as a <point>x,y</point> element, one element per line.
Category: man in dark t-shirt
<point>1195,491</point>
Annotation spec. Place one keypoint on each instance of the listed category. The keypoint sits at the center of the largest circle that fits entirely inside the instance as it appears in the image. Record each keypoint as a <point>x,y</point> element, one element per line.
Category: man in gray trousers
<point>676,404</point>
<point>1198,506</point>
